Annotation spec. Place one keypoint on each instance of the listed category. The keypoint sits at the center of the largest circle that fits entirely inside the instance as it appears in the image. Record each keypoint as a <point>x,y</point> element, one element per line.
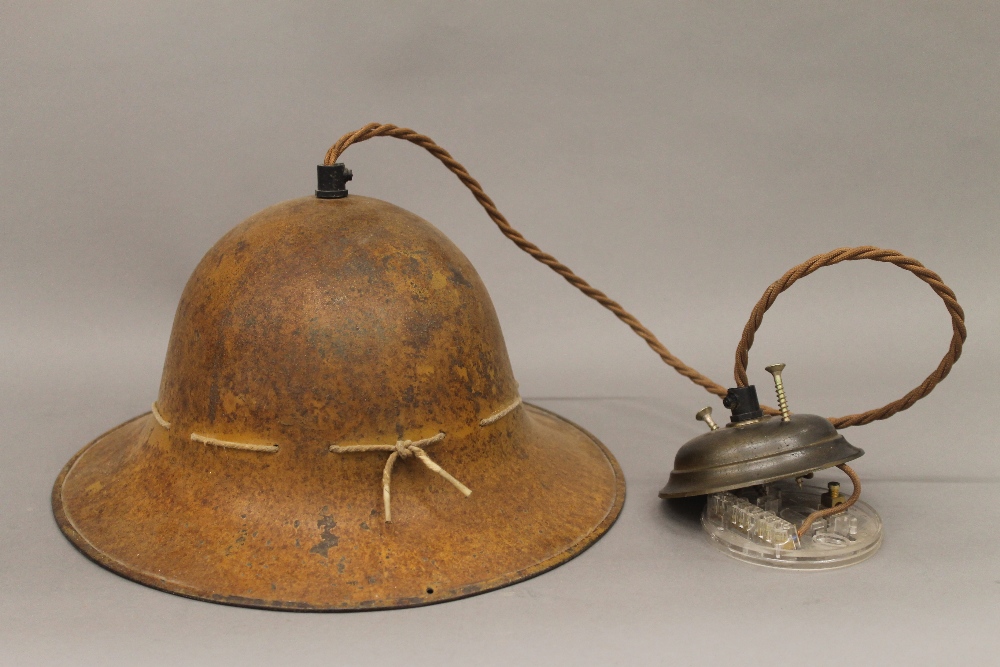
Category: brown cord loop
<point>804,269</point>
<point>837,509</point>
<point>878,255</point>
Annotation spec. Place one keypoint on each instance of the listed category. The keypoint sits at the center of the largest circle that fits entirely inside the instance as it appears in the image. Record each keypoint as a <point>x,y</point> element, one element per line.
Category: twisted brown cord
<point>385,130</point>
<point>804,269</point>
<point>878,255</point>
<point>836,509</point>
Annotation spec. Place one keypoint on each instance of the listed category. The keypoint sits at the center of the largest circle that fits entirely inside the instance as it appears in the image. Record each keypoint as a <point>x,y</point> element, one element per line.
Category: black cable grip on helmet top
<point>332,181</point>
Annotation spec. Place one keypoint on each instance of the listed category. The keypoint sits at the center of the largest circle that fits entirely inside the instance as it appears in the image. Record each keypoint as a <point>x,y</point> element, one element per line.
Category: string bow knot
<point>402,449</point>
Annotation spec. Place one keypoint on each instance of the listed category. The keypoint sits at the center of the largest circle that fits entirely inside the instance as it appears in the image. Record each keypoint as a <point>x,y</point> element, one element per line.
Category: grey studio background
<point>678,156</point>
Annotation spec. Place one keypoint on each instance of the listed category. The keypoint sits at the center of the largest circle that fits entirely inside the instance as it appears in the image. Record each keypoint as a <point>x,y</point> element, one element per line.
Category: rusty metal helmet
<point>337,428</point>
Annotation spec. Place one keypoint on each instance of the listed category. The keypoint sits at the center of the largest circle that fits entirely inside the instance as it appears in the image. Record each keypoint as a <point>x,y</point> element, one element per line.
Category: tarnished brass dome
<point>757,453</point>
<point>755,449</point>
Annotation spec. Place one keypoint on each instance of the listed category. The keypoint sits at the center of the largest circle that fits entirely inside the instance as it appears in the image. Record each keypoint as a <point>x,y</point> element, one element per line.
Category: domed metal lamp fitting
<point>755,449</point>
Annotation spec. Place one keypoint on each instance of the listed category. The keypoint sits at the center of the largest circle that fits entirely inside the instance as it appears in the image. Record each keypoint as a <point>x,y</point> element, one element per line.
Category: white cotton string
<point>404,449</point>
<point>497,416</point>
<point>159,418</point>
<point>197,437</point>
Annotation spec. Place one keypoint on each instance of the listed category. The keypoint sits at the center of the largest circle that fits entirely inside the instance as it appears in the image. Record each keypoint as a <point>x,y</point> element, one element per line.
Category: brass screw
<point>832,497</point>
<point>779,388</point>
<point>705,415</point>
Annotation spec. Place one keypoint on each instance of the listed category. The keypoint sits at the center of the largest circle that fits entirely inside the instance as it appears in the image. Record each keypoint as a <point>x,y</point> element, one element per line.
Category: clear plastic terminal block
<point>759,525</point>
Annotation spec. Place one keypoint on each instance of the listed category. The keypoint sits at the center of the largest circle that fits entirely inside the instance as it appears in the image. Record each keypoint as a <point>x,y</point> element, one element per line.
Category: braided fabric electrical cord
<point>877,255</point>
<point>384,130</point>
<point>742,351</point>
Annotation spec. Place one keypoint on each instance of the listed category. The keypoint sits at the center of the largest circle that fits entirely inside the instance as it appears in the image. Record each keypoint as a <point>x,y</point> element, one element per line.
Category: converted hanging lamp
<point>338,426</point>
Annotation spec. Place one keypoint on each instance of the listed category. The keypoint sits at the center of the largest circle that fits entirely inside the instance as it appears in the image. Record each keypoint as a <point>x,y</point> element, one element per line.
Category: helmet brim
<point>138,504</point>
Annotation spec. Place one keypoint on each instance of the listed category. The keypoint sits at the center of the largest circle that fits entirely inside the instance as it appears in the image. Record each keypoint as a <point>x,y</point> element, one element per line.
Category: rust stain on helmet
<point>345,322</point>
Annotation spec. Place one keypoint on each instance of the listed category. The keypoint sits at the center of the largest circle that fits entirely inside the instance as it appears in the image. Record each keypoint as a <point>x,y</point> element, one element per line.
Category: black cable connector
<point>332,181</point>
<point>743,403</point>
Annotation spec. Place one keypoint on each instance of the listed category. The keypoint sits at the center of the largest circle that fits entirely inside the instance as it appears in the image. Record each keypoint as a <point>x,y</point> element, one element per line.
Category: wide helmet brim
<point>161,513</point>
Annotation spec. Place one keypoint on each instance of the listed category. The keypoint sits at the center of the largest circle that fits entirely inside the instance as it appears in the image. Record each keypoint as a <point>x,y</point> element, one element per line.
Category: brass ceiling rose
<point>336,383</point>
<point>759,453</point>
<point>755,449</point>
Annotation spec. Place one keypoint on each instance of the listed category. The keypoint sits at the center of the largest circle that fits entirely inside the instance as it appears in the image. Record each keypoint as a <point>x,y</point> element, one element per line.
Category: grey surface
<point>678,156</point>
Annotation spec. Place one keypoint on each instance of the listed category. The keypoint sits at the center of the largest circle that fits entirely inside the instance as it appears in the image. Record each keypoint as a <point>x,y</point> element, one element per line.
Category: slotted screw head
<point>705,415</point>
<point>775,369</point>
